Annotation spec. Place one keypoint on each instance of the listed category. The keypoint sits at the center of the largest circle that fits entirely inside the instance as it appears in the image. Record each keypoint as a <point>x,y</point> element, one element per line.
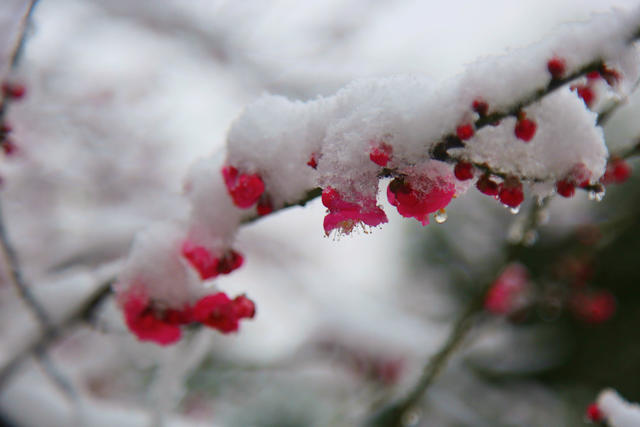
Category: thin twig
<point>16,278</point>
<point>394,414</point>
<point>40,344</point>
<point>9,254</point>
<point>16,54</point>
<point>18,49</point>
<point>56,376</point>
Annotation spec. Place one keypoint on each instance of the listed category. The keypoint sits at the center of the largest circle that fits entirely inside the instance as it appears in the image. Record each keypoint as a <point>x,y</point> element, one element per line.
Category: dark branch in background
<point>19,47</point>
<point>396,414</point>
<point>83,313</point>
<point>16,52</point>
<point>9,253</point>
<point>17,279</point>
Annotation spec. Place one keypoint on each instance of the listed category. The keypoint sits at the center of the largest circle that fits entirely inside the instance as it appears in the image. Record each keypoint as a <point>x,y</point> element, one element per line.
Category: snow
<point>566,136</point>
<point>617,411</point>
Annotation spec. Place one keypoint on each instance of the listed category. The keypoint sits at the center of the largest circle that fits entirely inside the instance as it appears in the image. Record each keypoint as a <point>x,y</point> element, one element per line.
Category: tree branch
<point>16,278</point>
<point>39,345</point>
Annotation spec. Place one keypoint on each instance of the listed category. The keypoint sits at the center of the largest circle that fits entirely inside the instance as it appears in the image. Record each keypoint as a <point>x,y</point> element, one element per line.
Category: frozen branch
<point>9,255</point>
<point>280,153</point>
<point>16,278</point>
<point>39,345</point>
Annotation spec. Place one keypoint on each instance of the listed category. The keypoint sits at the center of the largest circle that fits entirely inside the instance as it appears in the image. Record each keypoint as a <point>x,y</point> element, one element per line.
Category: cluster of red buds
<point>418,196</point>
<point>150,322</point>
<point>11,91</point>
<point>208,265</point>
<point>344,215</point>
<point>245,189</point>
<point>509,192</point>
<point>381,153</point>
<point>593,414</point>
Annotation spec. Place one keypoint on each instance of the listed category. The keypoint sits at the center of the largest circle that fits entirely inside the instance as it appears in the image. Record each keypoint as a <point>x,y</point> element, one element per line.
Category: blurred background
<point>123,96</point>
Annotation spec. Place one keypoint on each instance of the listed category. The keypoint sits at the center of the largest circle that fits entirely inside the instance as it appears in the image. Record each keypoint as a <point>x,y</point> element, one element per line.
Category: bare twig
<point>18,49</point>
<point>40,344</point>
<point>9,254</point>
<point>16,278</point>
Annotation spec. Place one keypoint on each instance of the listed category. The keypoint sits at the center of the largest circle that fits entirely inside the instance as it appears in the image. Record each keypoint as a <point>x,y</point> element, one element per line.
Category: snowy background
<point>124,96</point>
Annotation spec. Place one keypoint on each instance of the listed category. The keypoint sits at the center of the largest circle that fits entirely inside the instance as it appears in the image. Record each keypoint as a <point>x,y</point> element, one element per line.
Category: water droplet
<point>514,210</point>
<point>440,216</point>
<point>530,238</point>
<point>411,418</point>
<point>597,194</point>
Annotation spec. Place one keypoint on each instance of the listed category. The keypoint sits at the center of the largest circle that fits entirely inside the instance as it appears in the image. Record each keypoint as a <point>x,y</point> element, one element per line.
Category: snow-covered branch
<point>505,120</point>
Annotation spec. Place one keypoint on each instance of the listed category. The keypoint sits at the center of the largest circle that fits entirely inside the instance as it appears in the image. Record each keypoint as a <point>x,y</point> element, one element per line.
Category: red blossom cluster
<point>594,414</point>
<point>593,307</point>
<point>151,323</point>
<point>509,192</point>
<point>417,196</point>
<point>244,189</point>
<point>556,67</point>
<point>586,91</point>
<point>487,186</point>
<point>8,146</point>
<point>525,128</point>
<point>465,132</point>
<point>617,172</point>
<point>480,106</point>
<point>381,153</point>
<point>219,312</point>
<point>313,161</point>
<point>208,265</point>
<point>264,206</point>
<point>345,215</point>
<point>578,177</point>
<point>463,171</point>
<point>508,292</point>
<point>575,270</point>
<point>12,91</point>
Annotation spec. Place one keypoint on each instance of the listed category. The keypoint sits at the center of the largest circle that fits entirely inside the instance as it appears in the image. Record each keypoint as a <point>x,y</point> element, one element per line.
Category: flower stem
<point>395,414</point>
